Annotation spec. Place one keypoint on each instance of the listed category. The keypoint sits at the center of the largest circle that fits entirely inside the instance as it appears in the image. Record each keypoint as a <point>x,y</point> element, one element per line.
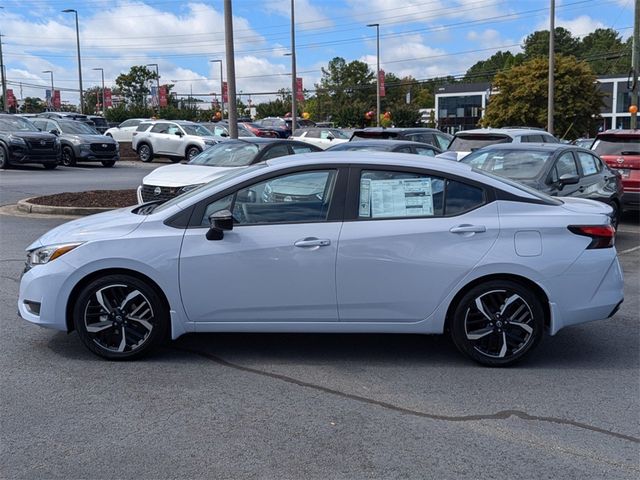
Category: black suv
<point>21,142</point>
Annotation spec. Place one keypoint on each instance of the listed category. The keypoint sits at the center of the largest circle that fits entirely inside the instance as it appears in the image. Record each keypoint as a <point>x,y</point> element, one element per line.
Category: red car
<point>621,150</point>
<point>259,130</point>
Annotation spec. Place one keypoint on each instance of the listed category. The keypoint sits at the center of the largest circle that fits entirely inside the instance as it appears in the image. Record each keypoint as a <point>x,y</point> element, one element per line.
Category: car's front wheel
<point>497,323</point>
<point>68,157</point>
<point>4,158</point>
<point>192,152</point>
<point>120,317</point>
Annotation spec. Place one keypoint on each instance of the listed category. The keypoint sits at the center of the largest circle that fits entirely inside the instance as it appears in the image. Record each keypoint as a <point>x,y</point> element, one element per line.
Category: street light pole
<point>221,89</point>
<point>71,10</point>
<point>52,89</point>
<point>635,54</point>
<point>294,80</point>
<point>377,25</point>
<point>552,65</point>
<point>102,73</point>
<point>157,82</point>
<point>231,68</point>
<point>2,77</point>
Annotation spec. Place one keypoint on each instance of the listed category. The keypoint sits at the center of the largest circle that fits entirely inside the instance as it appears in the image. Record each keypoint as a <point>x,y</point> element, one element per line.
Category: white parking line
<point>629,250</point>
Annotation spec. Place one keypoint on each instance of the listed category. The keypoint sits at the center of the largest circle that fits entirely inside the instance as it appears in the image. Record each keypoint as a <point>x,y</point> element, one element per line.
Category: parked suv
<point>124,131</point>
<point>467,141</point>
<point>66,116</point>
<point>176,140</point>
<point>283,125</point>
<point>432,136</point>
<point>99,123</point>
<point>21,142</point>
<point>621,150</point>
<point>80,142</point>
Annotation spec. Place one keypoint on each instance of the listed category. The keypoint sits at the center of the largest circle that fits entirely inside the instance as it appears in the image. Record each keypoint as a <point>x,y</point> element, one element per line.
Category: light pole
<point>157,82</point>
<point>231,68</point>
<point>52,90</point>
<point>102,74</point>
<point>2,77</point>
<point>552,66</point>
<point>377,25</point>
<point>71,10</point>
<point>294,83</point>
<point>221,89</point>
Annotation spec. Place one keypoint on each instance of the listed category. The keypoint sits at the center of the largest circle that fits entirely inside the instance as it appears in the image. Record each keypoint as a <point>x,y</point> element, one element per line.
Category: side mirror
<point>568,179</point>
<point>219,222</point>
<point>179,133</point>
<point>330,137</point>
<point>54,131</point>
<point>224,134</point>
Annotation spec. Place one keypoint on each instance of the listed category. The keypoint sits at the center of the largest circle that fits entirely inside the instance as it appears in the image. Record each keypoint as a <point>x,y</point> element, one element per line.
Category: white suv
<point>124,131</point>
<point>176,140</point>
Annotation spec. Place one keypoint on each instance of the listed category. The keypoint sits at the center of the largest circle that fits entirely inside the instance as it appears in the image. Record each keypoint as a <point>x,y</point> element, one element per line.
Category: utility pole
<point>634,66</point>
<point>3,78</point>
<point>294,82</point>
<point>377,25</point>
<point>552,65</point>
<point>231,69</point>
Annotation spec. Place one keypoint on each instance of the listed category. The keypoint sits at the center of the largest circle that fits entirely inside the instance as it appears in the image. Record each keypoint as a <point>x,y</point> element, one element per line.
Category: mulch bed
<point>92,198</point>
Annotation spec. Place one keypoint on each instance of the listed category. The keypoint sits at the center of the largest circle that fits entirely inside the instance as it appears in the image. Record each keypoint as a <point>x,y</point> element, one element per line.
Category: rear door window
<point>588,163</point>
<point>565,165</point>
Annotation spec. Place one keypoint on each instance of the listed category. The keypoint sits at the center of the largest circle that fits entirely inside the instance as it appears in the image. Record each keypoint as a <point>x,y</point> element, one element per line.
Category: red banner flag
<point>107,98</point>
<point>381,81</point>
<point>11,99</point>
<point>56,99</point>
<point>163,95</point>
<point>225,92</point>
<point>299,90</point>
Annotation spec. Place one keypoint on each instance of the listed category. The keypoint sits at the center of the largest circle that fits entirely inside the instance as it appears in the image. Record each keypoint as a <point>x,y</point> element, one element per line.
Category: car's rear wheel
<point>497,323</point>
<point>145,153</point>
<point>68,157</point>
<point>120,317</point>
<point>4,158</point>
<point>192,152</point>
<point>108,163</point>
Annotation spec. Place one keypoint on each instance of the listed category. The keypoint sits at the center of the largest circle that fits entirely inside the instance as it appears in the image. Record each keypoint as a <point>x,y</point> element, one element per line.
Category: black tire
<point>49,166</point>
<point>4,158</point>
<point>104,311</point>
<point>68,157</point>
<point>615,216</point>
<point>191,152</point>
<point>510,327</point>
<point>145,153</point>
<point>108,163</point>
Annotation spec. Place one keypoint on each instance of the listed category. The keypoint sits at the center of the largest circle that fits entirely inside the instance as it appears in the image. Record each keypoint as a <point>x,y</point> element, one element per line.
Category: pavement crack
<point>501,415</point>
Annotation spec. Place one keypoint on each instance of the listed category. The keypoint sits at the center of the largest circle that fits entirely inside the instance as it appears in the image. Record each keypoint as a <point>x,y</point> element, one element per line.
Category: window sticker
<point>365,198</point>
<point>400,198</point>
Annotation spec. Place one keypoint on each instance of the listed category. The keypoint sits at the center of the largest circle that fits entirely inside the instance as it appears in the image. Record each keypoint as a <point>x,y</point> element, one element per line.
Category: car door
<point>565,164</point>
<point>594,181</point>
<point>277,265</point>
<point>158,137</point>
<point>412,237</point>
<point>174,142</point>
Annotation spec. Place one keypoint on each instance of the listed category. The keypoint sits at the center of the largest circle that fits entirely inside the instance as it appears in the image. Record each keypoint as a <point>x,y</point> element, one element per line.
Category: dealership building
<point>460,106</point>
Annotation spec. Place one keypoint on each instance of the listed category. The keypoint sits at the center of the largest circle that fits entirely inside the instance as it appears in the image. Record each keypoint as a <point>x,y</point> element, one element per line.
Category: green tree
<point>33,105</point>
<point>92,96</point>
<point>606,52</point>
<point>522,97</point>
<point>537,44</point>
<point>133,86</point>
<point>485,70</point>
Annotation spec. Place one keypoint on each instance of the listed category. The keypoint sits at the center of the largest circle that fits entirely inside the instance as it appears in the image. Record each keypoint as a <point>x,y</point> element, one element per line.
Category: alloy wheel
<point>499,324</point>
<point>119,318</point>
<point>144,153</point>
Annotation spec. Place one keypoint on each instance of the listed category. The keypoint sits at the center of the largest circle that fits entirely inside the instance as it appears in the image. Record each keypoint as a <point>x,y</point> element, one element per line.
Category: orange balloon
<point>633,109</point>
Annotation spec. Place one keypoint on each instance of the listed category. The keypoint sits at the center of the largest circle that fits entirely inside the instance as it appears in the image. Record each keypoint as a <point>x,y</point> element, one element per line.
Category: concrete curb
<point>27,207</point>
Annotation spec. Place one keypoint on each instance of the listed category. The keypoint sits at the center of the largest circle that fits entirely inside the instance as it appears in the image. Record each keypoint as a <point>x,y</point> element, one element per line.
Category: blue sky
<point>422,38</point>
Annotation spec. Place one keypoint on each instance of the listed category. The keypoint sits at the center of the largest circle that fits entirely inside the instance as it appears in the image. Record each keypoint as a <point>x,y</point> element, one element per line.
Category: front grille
<point>41,144</point>
<point>103,147</point>
<point>164,193</point>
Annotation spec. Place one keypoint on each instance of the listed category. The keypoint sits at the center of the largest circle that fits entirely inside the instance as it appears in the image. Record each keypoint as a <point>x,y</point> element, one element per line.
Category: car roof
<point>401,129</point>
<point>389,142</point>
<point>620,132</point>
<point>258,140</point>
<point>511,132</point>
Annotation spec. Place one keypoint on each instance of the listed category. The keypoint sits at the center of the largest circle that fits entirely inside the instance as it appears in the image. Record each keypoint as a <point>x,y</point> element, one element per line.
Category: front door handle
<point>466,228</point>
<point>312,242</point>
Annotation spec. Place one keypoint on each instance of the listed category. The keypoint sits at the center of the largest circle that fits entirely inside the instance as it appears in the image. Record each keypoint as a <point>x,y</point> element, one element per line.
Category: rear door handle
<point>468,229</point>
<point>312,242</point>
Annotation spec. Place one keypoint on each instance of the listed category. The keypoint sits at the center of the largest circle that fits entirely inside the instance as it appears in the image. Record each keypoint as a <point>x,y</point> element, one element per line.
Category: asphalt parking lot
<point>308,406</point>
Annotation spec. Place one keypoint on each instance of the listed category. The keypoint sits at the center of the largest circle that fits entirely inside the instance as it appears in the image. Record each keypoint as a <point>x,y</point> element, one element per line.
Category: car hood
<point>181,174</point>
<point>87,138</point>
<point>33,135</point>
<point>584,205</point>
<point>106,225</point>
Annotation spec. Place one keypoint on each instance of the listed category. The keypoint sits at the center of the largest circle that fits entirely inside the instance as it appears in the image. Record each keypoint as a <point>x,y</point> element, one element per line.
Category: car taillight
<point>602,236</point>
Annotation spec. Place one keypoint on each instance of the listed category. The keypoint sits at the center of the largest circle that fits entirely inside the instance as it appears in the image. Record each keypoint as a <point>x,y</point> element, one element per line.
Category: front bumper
<point>88,155</point>
<point>23,154</point>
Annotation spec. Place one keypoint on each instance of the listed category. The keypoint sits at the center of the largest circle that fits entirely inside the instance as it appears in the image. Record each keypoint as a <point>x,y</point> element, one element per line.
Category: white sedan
<point>338,242</point>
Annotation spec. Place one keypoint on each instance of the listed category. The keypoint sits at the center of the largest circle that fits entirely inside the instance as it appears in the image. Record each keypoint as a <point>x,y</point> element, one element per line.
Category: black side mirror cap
<point>568,179</point>
<point>219,222</point>
<point>53,132</point>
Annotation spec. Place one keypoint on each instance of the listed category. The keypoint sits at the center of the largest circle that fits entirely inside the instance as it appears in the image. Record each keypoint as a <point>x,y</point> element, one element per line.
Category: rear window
<point>365,135</point>
<point>470,143</point>
<point>101,122</point>
<point>617,145</point>
<point>516,164</point>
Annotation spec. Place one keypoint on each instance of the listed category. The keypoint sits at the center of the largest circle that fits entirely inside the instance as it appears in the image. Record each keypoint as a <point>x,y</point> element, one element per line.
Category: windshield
<point>16,124</point>
<point>516,164</point>
<point>470,143</point>
<point>197,130</point>
<point>617,145</point>
<point>217,181</point>
<point>77,128</point>
<point>227,154</point>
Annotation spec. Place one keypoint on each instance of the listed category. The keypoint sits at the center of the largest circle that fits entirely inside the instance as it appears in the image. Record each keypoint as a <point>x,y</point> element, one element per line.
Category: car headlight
<point>42,255</point>
<point>17,140</point>
<point>85,146</point>
<point>186,188</point>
